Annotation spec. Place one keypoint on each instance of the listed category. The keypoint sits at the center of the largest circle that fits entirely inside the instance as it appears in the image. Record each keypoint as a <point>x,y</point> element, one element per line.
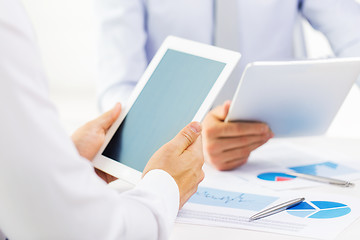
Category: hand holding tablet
<point>295,98</point>
<point>228,145</point>
<point>183,159</point>
<point>179,86</point>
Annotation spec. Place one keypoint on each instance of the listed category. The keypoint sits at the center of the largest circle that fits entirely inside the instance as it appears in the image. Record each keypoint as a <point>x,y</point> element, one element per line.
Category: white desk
<point>349,147</point>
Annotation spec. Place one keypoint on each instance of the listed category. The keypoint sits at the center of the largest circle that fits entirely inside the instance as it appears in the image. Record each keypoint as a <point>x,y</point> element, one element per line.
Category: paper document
<point>272,164</point>
<point>319,216</point>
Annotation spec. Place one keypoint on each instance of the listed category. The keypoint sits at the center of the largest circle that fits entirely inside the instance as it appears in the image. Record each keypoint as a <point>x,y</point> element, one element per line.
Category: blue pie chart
<point>319,210</point>
<point>275,177</point>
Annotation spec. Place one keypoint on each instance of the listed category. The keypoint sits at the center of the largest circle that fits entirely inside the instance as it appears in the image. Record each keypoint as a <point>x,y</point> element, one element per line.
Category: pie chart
<point>275,177</point>
<point>319,210</point>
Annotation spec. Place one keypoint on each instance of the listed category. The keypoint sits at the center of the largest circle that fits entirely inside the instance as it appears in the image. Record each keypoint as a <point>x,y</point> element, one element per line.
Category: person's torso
<point>265,28</point>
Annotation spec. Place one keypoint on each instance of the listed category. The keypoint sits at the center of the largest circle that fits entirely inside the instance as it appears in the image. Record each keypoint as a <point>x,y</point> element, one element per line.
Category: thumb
<point>187,136</point>
<point>220,112</point>
<point>108,118</point>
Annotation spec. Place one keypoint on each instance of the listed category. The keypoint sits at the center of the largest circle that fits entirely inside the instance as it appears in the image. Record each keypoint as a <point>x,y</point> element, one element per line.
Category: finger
<point>237,153</point>
<point>233,164</point>
<point>104,176</point>
<point>109,117</point>
<point>186,137</point>
<point>196,152</point>
<point>219,145</point>
<point>236,129</point>
<point>196,145</point>
<point>220,112</point>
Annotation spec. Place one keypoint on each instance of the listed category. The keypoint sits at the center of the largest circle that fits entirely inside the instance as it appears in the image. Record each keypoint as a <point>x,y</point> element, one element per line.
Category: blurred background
<point>67,36</point>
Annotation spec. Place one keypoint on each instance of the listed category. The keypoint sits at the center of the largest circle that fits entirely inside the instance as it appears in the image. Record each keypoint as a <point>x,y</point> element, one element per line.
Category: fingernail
<point>195,127</point>
<point>227,102</point>
<point>115,109</point>
<point>117,105</point>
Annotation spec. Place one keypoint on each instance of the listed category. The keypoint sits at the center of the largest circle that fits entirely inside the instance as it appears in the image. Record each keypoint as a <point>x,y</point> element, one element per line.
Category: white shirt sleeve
<point>47,191</point>
<point>122,53</point>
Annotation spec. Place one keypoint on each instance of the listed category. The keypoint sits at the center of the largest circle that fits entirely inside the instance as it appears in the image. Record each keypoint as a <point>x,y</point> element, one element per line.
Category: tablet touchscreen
<point>168,102</point>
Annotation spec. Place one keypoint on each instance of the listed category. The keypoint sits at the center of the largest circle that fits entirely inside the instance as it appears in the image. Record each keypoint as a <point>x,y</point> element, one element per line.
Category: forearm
<point>83,207</point>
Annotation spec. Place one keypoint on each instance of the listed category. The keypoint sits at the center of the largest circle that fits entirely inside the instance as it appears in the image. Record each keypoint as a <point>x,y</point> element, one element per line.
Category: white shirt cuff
<point>160,185</point>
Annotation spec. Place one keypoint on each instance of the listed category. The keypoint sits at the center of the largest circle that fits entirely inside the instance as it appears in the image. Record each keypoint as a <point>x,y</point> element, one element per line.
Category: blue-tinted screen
<point>167,103</point>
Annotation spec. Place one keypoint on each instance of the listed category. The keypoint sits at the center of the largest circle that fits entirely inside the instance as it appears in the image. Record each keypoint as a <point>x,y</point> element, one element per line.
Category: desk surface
<point>348,147</point>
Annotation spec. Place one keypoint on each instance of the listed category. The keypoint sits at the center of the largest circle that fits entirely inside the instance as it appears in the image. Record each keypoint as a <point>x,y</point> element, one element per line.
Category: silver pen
<point>332,181</point>
<point>278,208</point>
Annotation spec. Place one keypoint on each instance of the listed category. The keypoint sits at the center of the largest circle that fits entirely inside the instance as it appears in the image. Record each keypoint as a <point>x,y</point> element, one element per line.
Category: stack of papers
<point>229,199</point>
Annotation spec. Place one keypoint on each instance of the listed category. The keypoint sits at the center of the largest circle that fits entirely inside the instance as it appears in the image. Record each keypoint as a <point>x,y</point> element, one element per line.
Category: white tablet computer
<point>179,86</point>
<point>296,98</point>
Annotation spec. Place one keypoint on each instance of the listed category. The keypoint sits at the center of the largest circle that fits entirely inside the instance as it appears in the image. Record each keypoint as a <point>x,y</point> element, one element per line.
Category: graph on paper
<point>325,169</point>
<point>275,176</point>
<point>221,198</point>
<point>321,216</point>
<point>319,210</point>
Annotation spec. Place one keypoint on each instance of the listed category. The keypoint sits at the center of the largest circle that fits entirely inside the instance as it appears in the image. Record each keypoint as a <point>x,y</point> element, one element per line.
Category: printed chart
<point>319,210</point>
<point>220,198</point>
<point>271,167</point>
<point>311,218</point>
<point>280,178</point>
<point>325,169</point>
<point>275,177</point>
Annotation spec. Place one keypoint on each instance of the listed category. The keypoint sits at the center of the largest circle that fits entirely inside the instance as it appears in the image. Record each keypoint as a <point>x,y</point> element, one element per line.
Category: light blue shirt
<point>132,31</point>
